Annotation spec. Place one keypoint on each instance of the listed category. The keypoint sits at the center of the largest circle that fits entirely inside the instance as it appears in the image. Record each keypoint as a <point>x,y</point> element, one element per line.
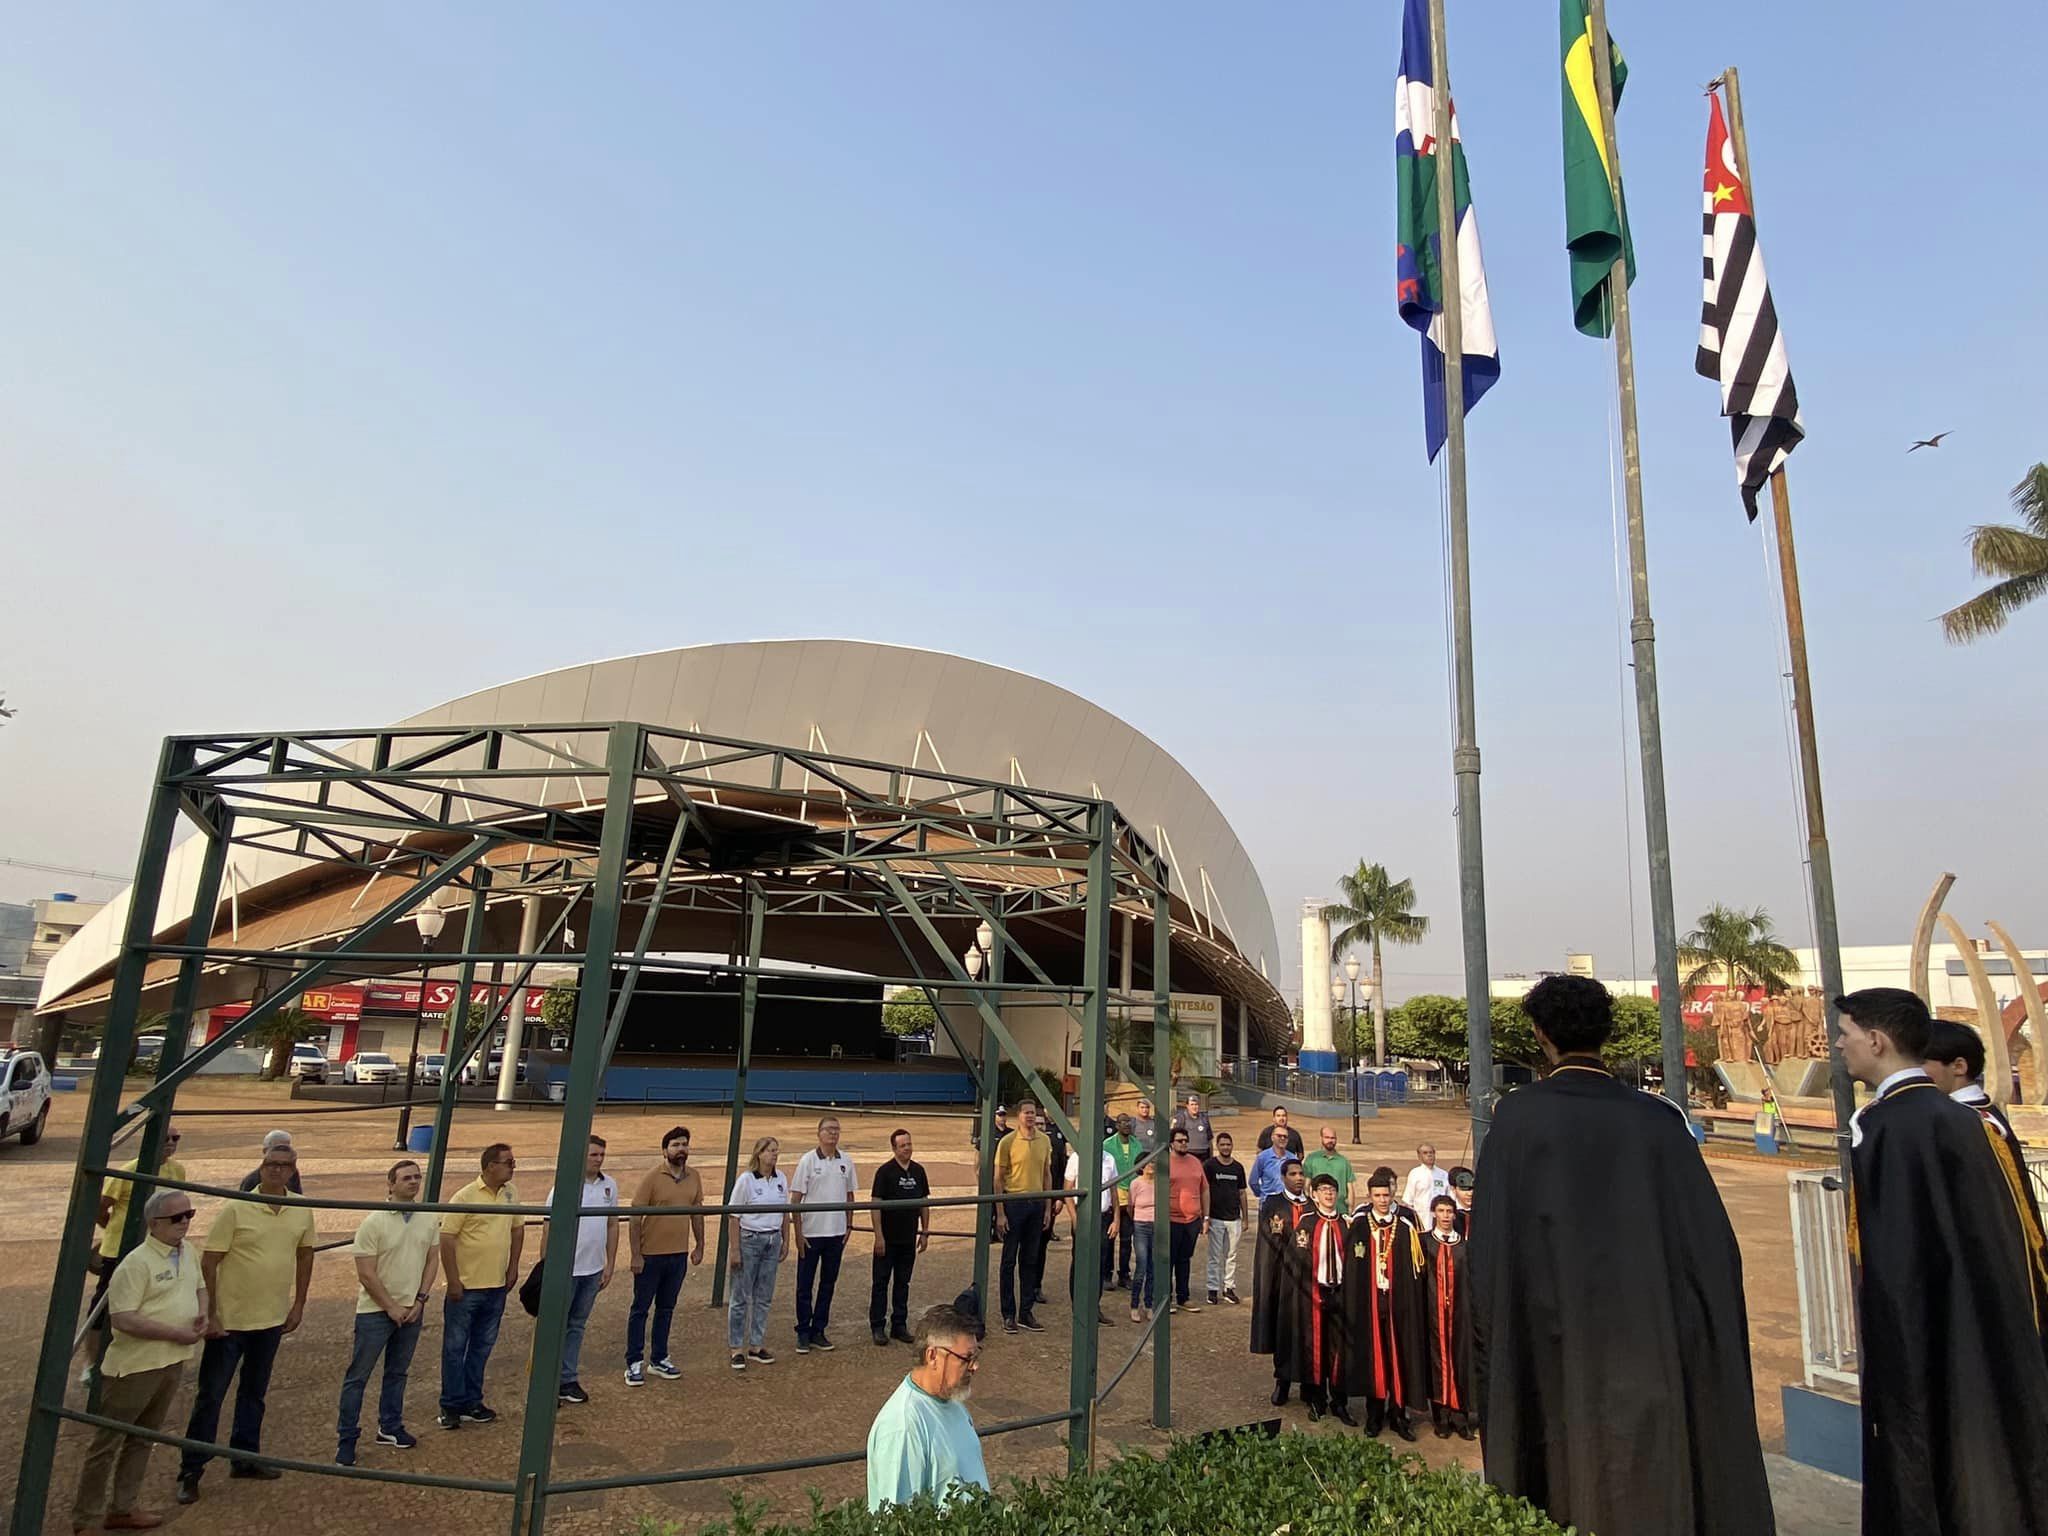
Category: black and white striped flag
<point>1741,347</point>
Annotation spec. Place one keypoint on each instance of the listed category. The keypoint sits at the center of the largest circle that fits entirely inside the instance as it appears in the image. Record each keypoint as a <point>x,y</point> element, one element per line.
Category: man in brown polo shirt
<point>664,1247</point>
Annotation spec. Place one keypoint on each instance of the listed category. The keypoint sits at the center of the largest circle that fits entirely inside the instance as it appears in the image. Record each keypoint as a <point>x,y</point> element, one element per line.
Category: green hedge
<point>1244,1484</point>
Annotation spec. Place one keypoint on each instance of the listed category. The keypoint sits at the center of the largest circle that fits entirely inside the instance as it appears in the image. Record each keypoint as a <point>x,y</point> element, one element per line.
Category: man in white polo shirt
<point>396,1253</point>
<point>824,1176</point>
<point>597,1252</point>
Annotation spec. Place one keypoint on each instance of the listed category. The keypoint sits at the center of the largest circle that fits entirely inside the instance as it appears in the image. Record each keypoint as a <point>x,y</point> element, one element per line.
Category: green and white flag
<point>1595,211</point>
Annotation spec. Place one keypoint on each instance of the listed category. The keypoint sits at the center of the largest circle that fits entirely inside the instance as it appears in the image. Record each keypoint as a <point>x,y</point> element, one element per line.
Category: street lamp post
<point>430,920</point>
<point>1351,980</point>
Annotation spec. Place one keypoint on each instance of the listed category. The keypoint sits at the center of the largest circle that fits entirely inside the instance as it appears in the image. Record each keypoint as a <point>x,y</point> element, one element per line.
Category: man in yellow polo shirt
<point>258,1263</point>
<point>396,1251</point>
<point>157,1310</point>
<point>480,1257</point>
<point>113,1218</point>
<point>1023,1166</point>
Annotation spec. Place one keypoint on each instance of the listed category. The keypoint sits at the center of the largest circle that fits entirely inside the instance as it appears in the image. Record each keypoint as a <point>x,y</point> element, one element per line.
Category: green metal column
<point>458,1030</point>
<point>750,992</point>
<point>1162,1114</point>
<point>565,1213</point>
<point>1087,1225</point>
<point>124,1007</point>
<point>991,1101</point>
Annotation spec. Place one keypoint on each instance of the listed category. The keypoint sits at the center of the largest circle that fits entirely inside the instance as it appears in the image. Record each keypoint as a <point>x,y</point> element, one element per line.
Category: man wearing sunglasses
<point>156,1306</point>
<point>923,1440</point>
<point>113,1217</point>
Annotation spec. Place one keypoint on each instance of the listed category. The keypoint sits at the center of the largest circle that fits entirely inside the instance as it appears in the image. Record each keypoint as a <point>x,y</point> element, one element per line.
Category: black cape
<point>1610,1341</point>
<point>1314,1342</point>
<point>1955,1387</point>
<point>1276,1271</point>
<point>2012,1167</point>
<point>1391,1359</point>
<point>1446,1269</point>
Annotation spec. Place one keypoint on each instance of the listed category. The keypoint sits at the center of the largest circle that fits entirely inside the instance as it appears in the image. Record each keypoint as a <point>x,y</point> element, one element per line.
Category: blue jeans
<point>1141,1263</point>
<point>820,1258</point>
<point>254,1351</point>
<point>582,1297</point>
<point>753,1290</point>
<point>469,1331</point>
<point>376,1337</point>
<point>657,1285</point>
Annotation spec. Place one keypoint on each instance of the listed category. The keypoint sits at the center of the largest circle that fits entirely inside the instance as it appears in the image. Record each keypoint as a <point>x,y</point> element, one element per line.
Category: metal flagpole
<point>1649,722</point>
<point>1820,868</point>
<point>1465,755</point>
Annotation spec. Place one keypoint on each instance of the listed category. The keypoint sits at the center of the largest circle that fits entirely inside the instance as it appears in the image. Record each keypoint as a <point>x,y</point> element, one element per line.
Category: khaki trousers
<point>143,1399</point>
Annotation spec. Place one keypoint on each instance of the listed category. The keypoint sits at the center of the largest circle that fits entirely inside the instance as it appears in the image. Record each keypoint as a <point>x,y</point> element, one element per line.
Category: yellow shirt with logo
<point>399,1240</point>
<point>483,1243</point>
<point>259,1246</point>
<point>119,1191</point>
<point>162,1284</point>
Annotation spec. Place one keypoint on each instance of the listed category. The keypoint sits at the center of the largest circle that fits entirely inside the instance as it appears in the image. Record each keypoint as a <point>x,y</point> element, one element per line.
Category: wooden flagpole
<point>1820,868</point>
<point>1642,632</point>
<point>1465,754</point>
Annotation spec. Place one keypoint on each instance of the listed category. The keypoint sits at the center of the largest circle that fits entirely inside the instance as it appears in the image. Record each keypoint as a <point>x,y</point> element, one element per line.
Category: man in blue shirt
<point>1266,1166</point>
<point>923,1440</point>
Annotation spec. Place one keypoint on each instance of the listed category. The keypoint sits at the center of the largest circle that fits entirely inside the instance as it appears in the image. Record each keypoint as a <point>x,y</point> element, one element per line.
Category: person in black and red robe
<point>1276,1275</point>
<point>1389,1312</point>
<point>1450,1322</point>
<point>1462,1183</point>
<point>1321,1324</point>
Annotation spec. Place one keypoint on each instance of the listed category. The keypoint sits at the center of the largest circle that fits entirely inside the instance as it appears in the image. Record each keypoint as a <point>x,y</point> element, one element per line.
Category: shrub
<point>1237,1484</point>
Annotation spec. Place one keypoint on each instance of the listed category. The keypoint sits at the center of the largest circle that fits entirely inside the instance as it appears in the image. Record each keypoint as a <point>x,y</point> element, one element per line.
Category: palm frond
<point>1999,549</point>
<point>2030,499</point>
<point>1987,612</point>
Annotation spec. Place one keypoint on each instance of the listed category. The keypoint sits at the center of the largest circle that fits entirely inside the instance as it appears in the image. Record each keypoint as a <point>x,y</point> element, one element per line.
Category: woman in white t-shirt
<point>759,1242</point>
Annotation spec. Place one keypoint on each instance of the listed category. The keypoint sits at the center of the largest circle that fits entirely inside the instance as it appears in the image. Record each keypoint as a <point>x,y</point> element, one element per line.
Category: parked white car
<point>308,1063</point>
<point>370,1067</point>
<point>24,1096</point>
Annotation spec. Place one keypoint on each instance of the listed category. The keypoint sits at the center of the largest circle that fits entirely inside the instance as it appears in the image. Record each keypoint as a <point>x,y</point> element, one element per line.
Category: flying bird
<point>1927,442</point>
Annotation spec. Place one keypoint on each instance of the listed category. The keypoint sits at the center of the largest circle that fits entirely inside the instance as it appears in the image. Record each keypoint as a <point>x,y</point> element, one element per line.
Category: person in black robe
<point>1445,1254</point>
<point>1320,1325</point>
<point>1389,1312</point>
<point>1461,1192</point>
<point>1955,1384</point>
<point>1276,1272</point>
<point>1955,1063</point>
<point>1610,1341</point>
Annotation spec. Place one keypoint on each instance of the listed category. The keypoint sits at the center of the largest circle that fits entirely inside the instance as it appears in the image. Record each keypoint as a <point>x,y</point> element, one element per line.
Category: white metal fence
<point>1820,1256</point>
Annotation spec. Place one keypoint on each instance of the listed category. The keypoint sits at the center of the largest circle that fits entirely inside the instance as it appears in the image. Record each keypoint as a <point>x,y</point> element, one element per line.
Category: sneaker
<point>573,1393</point>
<point>666,1369</point>
<point>449,1421</point>
<point>250,1472</point>
<point>1190,1306</point>
<point>756,1357</point>
<point>479,1414</point>
<point>1009,1325</point>
<point>821,1343</point>
<point>1137,1316</point>
<point>399,1437</point>
<point>636,1375</point>
<point>881,1339</point>
<point>345,1456</point>
<point>1232,1297</point>
<point>1212,1298</point>
<point>803,1343</point>
<point>1030,1324</point>
<point>738,1362</point>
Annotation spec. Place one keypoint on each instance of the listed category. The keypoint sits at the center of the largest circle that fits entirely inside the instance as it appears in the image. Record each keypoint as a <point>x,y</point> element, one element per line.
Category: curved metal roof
<point>858,699</point>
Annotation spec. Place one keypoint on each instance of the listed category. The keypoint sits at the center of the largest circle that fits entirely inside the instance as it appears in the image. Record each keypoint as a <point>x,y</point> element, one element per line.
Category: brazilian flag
<point>1595,211</point>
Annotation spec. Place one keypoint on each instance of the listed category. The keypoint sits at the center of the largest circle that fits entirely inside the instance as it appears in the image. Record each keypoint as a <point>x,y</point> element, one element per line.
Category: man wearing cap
<point>1389,1311</point>
<point>1278,1271</point>
<point>1321,1329</point>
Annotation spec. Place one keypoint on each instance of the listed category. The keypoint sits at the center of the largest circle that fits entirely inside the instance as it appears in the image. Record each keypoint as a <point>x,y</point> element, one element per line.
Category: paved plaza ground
<point>798,1407</point>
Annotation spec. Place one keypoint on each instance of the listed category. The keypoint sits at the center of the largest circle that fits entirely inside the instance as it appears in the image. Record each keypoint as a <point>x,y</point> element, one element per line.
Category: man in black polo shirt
<point>900,1236</point>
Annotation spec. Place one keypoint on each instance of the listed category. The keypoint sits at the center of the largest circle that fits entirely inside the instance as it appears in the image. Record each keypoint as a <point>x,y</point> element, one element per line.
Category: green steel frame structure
<point>691,833</point>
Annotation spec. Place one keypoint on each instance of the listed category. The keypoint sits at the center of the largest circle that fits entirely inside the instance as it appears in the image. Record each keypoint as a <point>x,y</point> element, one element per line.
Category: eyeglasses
<point>173,1139</point>
<point>972,1362</point>
<point>181,1216</point>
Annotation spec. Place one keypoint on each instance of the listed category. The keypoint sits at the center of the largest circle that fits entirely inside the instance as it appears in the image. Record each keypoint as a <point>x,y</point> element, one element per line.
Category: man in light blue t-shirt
<point>923,1440</point>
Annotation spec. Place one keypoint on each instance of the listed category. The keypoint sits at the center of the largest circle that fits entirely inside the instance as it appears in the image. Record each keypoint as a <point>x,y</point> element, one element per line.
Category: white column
<point>1318,1040</point>
<point>1244,1031</point>
<point>515,1012</point>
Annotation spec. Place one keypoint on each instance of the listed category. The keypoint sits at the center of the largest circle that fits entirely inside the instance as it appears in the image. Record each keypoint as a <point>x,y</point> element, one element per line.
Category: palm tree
<point>1738,948</point>
<point>1375,907</point>
<point>2018,556</point>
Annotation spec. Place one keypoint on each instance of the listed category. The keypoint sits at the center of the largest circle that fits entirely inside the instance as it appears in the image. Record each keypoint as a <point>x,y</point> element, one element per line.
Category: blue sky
<point>361,357</point>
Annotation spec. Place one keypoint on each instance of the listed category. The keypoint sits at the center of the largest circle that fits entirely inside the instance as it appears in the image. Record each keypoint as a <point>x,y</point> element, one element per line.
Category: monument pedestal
<point>1823,1430</point>
<point>1318,1061</point>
